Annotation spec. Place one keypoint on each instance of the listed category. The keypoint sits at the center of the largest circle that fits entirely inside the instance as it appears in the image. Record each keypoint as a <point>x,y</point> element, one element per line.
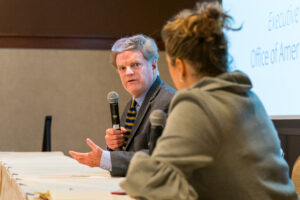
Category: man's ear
<point>154,64</point>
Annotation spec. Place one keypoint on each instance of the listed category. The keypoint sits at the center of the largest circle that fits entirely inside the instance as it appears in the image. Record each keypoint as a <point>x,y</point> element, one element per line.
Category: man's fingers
<point>79,157</point>
<point>119,144</point>
<point>71,152</point>
<point>115,144</point>
<point>91,144</point>
<point>114,137</point>
<point>74,154</point>
<point>111,131</point>
<point>123,130</point>
<point>82,160</point>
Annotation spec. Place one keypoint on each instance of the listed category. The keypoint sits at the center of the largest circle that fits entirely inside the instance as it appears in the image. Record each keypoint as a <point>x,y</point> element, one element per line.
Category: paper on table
<point>62,176</point>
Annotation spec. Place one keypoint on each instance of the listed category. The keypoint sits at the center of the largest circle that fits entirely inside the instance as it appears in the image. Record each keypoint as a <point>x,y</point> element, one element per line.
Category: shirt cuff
<point>105,161</point>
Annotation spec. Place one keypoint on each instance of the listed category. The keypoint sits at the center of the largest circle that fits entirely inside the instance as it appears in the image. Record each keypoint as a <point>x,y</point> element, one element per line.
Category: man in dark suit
<point>135,59</point>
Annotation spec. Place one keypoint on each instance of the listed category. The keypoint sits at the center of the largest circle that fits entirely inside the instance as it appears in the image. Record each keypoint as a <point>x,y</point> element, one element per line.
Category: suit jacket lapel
<point>144,108</point>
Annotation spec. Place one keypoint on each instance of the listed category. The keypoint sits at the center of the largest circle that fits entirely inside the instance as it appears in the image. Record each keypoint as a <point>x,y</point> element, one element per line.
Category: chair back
<point>47,134</point>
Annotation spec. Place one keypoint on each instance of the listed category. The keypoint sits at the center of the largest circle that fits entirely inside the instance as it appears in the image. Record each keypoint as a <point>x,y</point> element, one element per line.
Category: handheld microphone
<point>157,120</point>
<point>112,98</point>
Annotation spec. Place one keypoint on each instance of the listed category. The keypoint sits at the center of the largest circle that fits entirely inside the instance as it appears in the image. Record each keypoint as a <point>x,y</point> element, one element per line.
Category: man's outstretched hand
<point>91,158</point>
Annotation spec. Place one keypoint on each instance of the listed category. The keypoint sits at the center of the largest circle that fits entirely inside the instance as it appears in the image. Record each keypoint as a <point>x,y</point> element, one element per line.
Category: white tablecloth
<point>27,175</point>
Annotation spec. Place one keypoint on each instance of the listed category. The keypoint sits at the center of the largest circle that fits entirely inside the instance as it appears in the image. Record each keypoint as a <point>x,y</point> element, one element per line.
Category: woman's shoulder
<point>194,93</point>
<point>191,95</point>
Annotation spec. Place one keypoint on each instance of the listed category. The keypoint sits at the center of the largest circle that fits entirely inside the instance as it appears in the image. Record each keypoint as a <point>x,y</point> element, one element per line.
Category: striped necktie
<point>129,122</point>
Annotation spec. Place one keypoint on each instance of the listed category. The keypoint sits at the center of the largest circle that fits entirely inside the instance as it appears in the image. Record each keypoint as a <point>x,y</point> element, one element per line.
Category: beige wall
<point>70,85</point>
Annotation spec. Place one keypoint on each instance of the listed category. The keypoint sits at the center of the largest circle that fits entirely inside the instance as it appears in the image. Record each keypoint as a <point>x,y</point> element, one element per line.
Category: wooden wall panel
<point>81,24</point>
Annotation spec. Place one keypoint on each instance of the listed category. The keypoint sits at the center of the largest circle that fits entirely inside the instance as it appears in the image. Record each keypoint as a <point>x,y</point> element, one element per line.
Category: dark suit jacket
<point>158,97</point>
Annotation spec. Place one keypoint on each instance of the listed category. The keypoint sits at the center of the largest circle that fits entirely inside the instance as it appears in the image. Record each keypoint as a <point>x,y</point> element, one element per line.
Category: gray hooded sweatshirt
<point>218,144</point>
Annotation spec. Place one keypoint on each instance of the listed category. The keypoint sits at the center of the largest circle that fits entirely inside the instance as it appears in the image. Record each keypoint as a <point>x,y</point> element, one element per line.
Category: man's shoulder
<point>164,95</point>
<point>167,91</point>
<point>168,88</point>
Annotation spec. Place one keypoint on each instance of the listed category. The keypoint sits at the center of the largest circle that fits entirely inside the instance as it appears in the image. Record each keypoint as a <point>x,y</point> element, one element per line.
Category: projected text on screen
<point>267,48</point>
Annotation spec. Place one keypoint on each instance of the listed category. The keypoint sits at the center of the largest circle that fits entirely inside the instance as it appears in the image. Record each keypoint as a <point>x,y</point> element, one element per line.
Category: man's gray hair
<point>138,42</point>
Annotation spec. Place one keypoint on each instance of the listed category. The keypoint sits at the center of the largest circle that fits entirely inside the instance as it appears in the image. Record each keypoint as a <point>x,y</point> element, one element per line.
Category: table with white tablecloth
<point>53,176</point>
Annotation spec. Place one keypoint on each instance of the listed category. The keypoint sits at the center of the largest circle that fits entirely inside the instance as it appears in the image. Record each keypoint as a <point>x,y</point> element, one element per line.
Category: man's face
<point>135,71</point>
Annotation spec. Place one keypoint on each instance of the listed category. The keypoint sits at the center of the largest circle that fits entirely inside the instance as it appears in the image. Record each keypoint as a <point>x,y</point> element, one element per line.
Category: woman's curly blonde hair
<point>197,36</point>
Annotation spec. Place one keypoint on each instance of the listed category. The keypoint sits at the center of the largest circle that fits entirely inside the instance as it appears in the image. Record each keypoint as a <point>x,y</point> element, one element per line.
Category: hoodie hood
<point>235,81</point>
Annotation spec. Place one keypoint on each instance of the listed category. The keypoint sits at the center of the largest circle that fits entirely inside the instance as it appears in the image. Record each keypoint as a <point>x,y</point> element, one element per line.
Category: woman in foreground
<point>218,142</point>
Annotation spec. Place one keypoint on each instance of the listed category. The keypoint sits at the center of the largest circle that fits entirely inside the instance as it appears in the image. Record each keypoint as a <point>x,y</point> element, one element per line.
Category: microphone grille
<point>158,118</point>
<point>112,97</point>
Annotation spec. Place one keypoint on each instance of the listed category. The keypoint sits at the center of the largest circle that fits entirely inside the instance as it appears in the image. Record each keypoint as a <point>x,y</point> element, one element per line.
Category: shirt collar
<point>139,100</point>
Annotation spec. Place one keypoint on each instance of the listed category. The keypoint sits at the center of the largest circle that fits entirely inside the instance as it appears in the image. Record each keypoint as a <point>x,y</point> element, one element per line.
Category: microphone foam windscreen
<point>158,118</point>
<point>112,97</point>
